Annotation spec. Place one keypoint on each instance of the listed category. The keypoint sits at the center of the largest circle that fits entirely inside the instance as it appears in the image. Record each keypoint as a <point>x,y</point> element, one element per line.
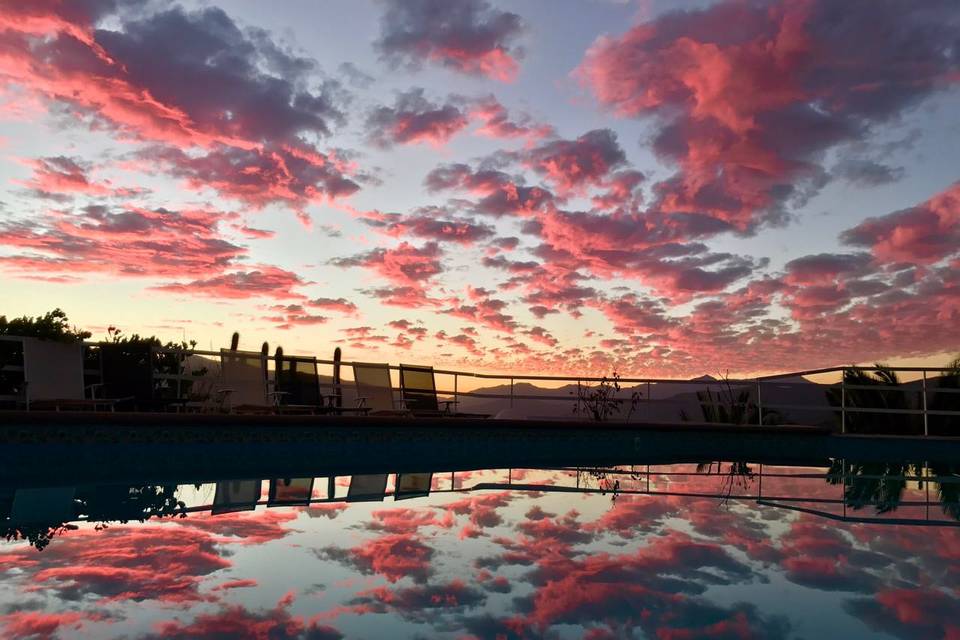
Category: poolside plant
<point>600,403</point>
<point>732,405</point>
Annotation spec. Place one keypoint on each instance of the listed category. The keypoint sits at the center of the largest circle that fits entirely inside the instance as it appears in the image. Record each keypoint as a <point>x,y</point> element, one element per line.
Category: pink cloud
<point>923,234</point>
<point>496,122</point>
<point>470,37</point>
<point>264,282</point>
<point>573,165</point>
<point>63,175</point>
<point>394,556</point>
<point>414,119</point>
<point>748,115</point>
<point>40,625</point>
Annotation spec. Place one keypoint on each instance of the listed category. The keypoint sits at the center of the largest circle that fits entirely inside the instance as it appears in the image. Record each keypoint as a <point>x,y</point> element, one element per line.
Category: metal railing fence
<point>647,386</point>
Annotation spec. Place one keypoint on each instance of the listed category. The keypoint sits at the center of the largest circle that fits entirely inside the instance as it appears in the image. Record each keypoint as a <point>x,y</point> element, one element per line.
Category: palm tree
<point>858,394</point>
<point>947,400</point>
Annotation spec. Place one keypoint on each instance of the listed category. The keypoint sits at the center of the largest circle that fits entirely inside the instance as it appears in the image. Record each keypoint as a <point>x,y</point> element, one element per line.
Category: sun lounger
<point>236,495</point>
<point>412,485</point>
<point>53,375</point>
<point>374,389</point>
<point>243,379</point>
<point>54,505</point>
<point>290,491</point>
<point>367,488</point>
<point>297,384</point>
<point>419,389</point>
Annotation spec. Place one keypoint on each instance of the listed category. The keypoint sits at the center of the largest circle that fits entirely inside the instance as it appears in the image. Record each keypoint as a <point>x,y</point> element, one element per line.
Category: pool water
<point>674,551</point>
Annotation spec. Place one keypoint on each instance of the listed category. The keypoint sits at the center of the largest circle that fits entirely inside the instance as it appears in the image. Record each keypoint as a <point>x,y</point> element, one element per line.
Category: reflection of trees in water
<point>738,476</point>
<point>871,483</point>
<point>948,492</point>
<point>606,484</point>
<point>866,484</point>
<point>103,506</point>
<point>38,535</point>
<point>735,477</point>
<point>881,484</point>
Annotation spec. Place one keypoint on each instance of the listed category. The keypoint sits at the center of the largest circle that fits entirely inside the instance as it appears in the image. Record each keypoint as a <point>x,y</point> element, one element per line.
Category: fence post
<point>511,393</point>
<point>760,485</point>
<point>759,406</point>
<point>926,427</point>
<point>648,398</point>
<point>843,404</point>
<point>456,393</point>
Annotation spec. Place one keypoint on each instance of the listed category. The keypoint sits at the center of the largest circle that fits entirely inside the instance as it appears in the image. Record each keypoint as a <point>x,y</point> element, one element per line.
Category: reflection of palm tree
<point>871,483</point>
<point>882,483</point>
<point>948,487</point>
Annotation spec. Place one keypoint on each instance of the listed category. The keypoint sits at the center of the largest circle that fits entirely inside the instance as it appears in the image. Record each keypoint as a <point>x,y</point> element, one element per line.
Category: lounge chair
<point>375,390</point>
<point>367,488</point>
<point>53,377</point>
<point>287,492</point>
<point>243,380</point>
<point>297,384</point>
<point>54,505</point>
<point>127,373</point>
<point>12,385</point>
<point>236,495</point>
<point>413,485</point>
<point>419,389</point>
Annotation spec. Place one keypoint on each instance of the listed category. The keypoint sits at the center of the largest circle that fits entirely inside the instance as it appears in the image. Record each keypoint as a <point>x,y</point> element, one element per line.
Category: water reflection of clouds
<point>509,563</point>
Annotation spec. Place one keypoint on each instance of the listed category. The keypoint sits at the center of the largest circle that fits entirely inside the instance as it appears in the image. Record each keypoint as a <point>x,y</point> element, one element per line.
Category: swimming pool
<point>664,548</point>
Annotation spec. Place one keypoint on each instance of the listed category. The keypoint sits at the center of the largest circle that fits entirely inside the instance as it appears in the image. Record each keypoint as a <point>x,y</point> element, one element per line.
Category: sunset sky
<point>657,188</point>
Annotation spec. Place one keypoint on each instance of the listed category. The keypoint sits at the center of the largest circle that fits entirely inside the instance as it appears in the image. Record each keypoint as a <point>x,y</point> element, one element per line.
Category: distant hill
<point>665,403</point>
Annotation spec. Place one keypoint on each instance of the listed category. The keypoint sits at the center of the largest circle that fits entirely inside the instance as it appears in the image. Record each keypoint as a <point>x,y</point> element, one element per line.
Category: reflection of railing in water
<point>646,480</point>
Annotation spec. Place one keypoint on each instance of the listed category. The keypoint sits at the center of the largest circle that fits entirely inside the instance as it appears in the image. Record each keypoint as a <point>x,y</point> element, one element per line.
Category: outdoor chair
<point>367,488</point>
<point>419,389</point>
<point>243,382</point>
<point>127,373</point>
<point>53,377</point>
<point>413,485</point>
<point>236,495</point>
<point>48,505</point>
<point>375,391</point>
<point>285,492</point>
<point>297,385</point>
